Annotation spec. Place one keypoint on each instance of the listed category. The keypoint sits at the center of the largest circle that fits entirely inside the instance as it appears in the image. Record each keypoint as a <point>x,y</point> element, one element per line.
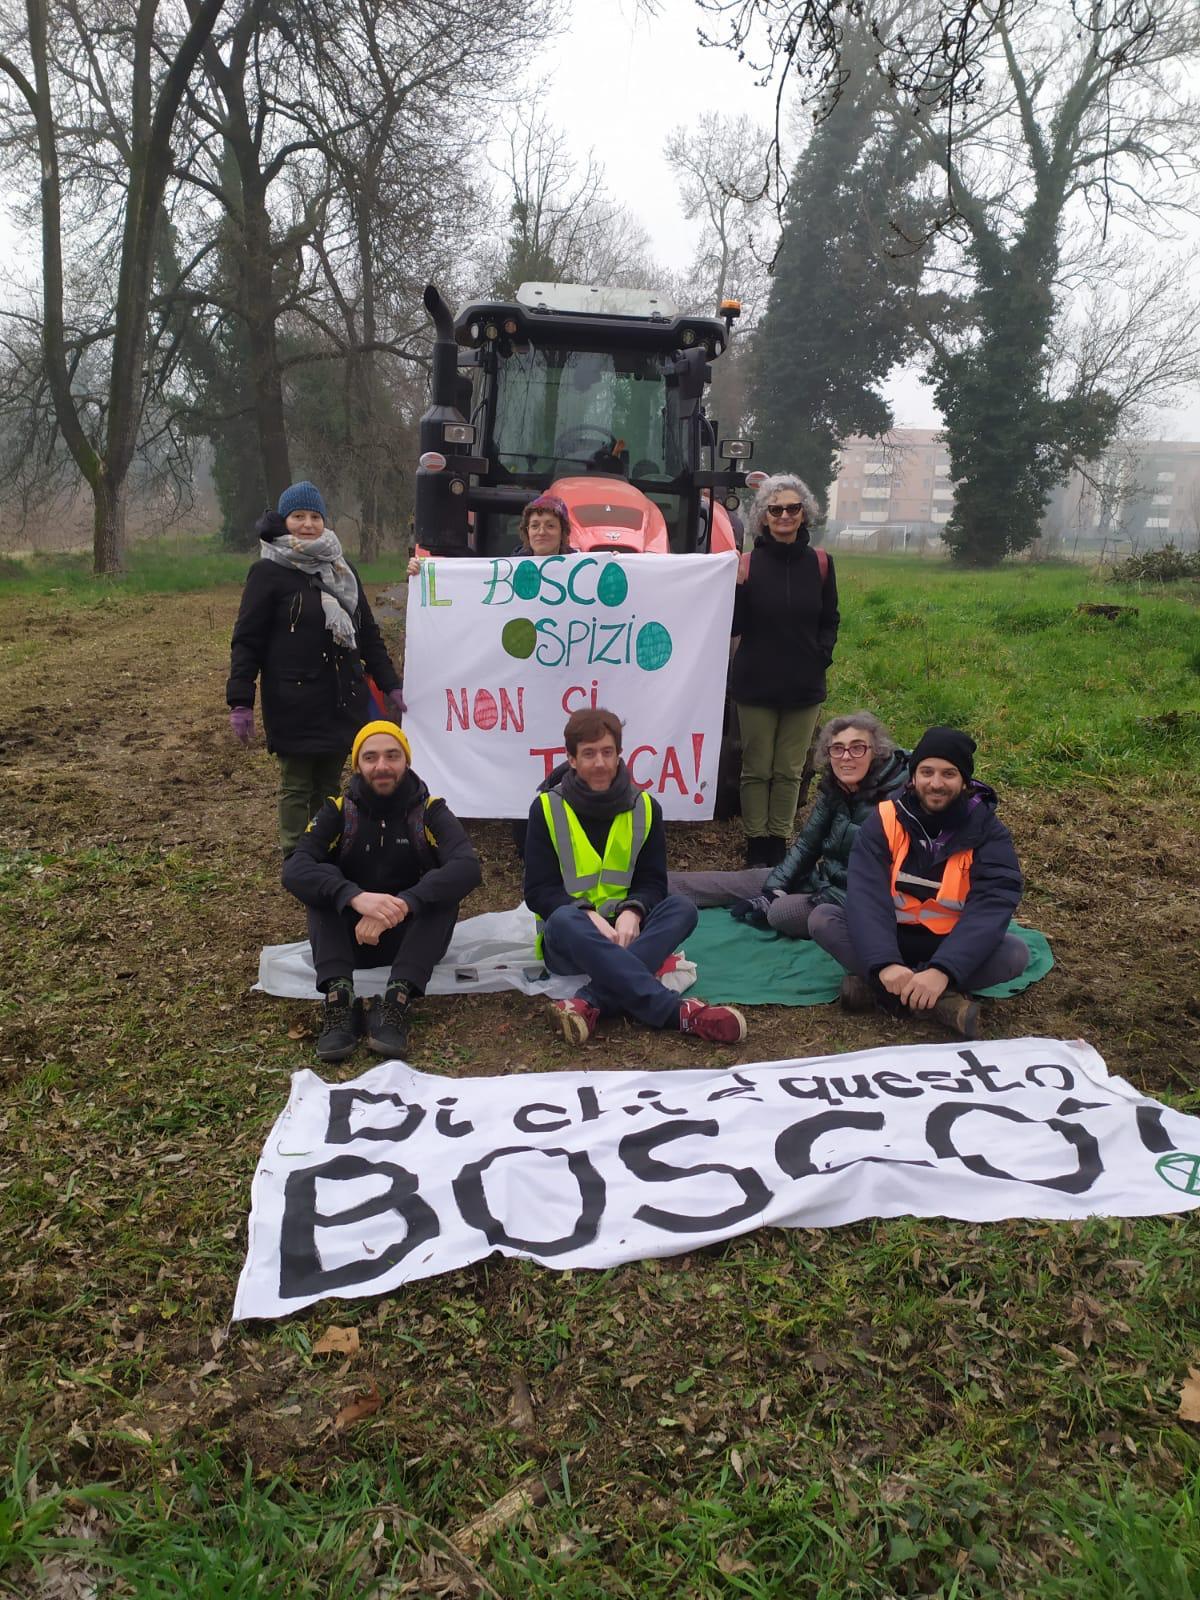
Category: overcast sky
<point>617,82</point>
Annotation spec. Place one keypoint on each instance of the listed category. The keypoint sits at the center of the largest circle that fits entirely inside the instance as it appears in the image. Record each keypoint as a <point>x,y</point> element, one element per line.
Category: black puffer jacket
<point>314,694</point>
<point>404,844</point>
<point>788,623</point>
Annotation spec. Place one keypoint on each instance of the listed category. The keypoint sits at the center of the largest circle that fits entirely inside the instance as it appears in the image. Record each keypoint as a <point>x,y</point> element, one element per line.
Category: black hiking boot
<point>776,849</point>
<point>387,1026</point>
<point>756,851</point>
<point>339,1023</point>
<point>856,994</point>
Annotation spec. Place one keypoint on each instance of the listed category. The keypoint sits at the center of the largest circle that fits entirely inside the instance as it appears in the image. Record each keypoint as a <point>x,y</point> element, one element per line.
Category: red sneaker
<point>718,1024</point>
<point>575,1019</point>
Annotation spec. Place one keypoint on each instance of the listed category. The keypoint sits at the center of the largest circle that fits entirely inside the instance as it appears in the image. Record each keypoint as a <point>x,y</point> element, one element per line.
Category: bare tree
<point>71,80</point>
<point>1086,120</point>
<point>562,224</point>
<point>722,164</point>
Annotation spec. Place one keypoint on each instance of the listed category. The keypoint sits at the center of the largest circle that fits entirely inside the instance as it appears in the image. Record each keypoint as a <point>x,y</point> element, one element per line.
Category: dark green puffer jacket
<point>816,864</point>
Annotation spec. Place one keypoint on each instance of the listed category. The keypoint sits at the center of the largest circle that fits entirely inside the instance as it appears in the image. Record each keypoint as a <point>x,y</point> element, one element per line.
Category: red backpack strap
<point>822,556</point>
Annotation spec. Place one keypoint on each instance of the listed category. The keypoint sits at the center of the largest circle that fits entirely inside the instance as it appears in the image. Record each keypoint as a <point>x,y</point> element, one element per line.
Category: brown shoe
<point>959,1013</point>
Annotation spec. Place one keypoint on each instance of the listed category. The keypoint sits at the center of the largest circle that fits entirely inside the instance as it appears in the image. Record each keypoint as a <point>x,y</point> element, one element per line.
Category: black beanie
<point>946,744</point>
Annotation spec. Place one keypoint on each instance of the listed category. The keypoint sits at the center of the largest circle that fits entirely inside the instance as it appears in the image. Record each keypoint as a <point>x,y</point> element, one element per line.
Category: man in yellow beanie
<point>382,870</point>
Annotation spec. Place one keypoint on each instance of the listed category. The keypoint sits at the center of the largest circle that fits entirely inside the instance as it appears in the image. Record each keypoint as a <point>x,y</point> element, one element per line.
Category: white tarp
<point>487,953</point>
<point>498,653</point>
<point>397,1175</point>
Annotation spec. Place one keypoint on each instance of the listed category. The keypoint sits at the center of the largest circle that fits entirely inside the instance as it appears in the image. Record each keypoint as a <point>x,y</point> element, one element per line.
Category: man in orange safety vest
<point>932,886</point>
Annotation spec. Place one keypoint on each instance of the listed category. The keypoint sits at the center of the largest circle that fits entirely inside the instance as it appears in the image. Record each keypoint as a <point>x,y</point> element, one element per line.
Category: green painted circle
<point>527,580</point>
<point>519,637</point>
<point>613,586</point>
<point>1181,1170</point>
<point>653,646</point>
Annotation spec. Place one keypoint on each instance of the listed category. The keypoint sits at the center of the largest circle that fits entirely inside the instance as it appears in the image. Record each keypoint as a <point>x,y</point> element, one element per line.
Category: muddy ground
<point>140,881</point>
<point>114,734</point>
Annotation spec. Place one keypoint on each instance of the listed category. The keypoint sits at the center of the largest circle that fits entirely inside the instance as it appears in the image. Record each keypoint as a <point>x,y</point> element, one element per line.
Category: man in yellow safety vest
<point>596,880</point>
<point>932,885</point>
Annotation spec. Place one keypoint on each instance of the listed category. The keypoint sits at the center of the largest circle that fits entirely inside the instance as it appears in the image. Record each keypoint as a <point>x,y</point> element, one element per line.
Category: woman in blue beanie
<point>305,628</point>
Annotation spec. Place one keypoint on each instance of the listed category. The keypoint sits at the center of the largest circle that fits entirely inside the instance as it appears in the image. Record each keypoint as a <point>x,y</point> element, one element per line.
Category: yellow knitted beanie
<point>365,732</point>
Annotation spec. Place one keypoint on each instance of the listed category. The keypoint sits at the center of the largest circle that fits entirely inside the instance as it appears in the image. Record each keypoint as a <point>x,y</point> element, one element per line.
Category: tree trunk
<point>108,526</point>
<point>261,310</point>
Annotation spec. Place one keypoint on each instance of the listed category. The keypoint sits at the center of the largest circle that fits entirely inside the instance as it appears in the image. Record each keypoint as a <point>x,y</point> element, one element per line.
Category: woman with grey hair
<point>785,615</point>
<point>860,766</point>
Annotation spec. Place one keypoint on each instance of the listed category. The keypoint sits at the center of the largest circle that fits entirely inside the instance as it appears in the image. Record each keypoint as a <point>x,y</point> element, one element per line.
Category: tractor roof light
<point>688,337</point>
<point>458,433</point>
<point>457,486</point>
<point>475,330</point>
<point>432,461</point>
<point>735,449</point>
<point>492,330</point>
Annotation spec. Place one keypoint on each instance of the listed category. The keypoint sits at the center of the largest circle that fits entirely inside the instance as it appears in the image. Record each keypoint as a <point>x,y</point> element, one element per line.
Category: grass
<point>891,1409</point>
<point>1053,695</point>
<point>153,567</point>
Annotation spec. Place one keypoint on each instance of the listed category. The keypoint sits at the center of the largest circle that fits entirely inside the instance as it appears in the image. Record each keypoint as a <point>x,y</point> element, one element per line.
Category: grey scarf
<point>322,559</point>
<point>604,805</point>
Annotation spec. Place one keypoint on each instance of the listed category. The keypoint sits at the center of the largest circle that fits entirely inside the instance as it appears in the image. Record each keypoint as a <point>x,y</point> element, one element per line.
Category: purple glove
<point>241,723</point>
<point>396,696</point>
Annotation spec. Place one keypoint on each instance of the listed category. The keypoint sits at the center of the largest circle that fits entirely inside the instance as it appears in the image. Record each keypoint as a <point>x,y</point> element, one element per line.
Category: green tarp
<point>741,965</point>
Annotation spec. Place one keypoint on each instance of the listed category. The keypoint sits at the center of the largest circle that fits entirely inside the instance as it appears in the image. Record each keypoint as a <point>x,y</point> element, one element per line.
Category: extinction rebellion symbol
<point>1180,1170</point>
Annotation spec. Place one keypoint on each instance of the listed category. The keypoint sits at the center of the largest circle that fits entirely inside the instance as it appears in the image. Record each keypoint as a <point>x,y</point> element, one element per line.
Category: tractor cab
<point>595,394</point>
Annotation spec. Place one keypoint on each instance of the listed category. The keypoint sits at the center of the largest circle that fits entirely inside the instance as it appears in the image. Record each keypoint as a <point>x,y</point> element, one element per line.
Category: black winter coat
<point>992,897</point>
<point>314,694</point>
<point>390,851</point>
<point>788,623</point>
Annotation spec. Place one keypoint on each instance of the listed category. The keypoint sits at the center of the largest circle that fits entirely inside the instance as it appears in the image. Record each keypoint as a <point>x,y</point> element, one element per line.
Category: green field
<point>894,1408</point>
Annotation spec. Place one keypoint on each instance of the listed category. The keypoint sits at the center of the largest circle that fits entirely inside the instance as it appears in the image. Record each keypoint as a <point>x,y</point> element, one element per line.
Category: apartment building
<point>901,482</point>
<point>1140,494</point>
<point>1143,494</point>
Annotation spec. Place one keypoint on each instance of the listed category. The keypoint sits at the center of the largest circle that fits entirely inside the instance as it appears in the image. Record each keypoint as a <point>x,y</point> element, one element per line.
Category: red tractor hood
<point>610,514</point>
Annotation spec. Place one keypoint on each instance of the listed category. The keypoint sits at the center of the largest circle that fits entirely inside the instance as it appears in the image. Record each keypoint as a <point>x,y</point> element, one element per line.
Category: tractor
<point>593,393</point>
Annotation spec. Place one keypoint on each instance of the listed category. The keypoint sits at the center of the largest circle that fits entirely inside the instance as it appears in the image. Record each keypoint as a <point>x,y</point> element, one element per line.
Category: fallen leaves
<point>520,1406</point>
<point>337,1341</point>
<point>356,1410</point>
<point>1189,1397</point>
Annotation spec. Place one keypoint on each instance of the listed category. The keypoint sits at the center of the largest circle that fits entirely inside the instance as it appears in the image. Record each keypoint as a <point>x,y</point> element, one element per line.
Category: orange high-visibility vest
<point>940,913</point>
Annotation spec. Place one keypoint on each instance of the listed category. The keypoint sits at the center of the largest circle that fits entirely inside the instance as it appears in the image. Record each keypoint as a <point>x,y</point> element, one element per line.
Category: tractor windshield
<point>567,411</point>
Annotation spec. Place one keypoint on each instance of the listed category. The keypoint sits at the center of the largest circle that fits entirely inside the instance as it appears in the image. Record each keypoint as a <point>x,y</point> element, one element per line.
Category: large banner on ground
<point>365,1186</point>
<point>498,653</point>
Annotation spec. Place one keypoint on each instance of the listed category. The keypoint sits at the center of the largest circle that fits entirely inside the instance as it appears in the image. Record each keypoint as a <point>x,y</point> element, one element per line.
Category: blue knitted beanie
<point>303,496</point>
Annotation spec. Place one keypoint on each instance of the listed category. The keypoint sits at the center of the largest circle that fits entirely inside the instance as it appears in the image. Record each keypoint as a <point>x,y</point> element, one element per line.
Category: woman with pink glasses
<point>785,616</point>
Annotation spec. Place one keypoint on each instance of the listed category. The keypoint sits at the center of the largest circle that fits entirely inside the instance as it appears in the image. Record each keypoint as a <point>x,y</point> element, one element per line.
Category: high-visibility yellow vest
<point>600,880</point>
<point>940,913</point>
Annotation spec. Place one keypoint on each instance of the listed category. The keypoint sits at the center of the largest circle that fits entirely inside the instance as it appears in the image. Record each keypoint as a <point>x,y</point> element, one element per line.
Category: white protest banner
<point>498,653</point>
<point>366,1186</point>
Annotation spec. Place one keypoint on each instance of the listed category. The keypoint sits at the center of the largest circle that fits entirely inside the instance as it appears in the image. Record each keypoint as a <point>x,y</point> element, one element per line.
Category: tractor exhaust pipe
<point>439,492</point>
<point>445,351</point>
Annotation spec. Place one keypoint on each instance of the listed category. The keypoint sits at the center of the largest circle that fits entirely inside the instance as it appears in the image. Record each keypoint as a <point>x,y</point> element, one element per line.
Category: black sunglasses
<point>793,510</point>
